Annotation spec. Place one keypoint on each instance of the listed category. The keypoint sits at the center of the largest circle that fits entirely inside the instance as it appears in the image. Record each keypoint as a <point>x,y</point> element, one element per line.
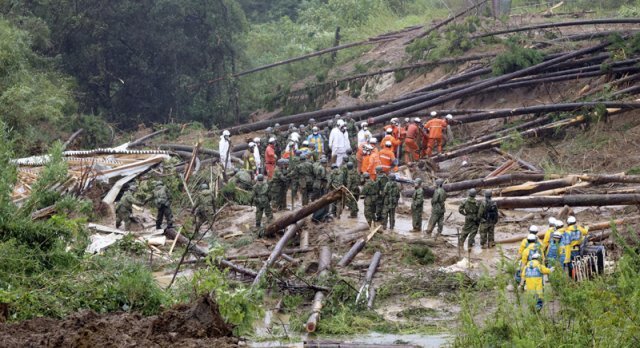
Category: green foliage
<point>634,171</point>
<point>590,313</point>
<point>513,143</point>
<point>517,57</point>
<point>454,42</point>
<point>239,305</point>
<point>54,172</point>
<point>419,254</point>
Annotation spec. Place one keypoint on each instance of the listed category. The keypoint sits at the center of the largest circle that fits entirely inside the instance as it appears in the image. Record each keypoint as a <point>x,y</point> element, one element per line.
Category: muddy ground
<point>197,325</point>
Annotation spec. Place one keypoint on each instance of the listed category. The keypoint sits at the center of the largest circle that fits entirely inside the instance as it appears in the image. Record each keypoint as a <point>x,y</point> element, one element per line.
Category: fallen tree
<point>277,251</point>
<point>589,200</point>
<point>481,183</point>
<point>297,215</point>
<point>324,264</point>
<point>561,24</point>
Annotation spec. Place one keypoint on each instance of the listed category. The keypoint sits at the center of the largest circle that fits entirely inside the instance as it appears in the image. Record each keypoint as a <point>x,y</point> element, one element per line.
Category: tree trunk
<point>481,183</point>
<point>277,251</point>
<point>561,24</point>
<point>590,200</point>
<point>297,215</point>
<point>351,254</point>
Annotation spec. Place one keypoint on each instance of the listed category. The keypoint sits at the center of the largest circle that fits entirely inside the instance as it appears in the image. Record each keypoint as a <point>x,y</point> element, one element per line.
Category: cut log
<point>297,215</point>
<point>561,24</point>
<point>351,254</point>
<point>449,20</point>
<point>528,188</point>
<point>277,251</point>
<point>368,279</point>
<point>316,307</point>
<point>268,253</point>
<point>481,183</point>
<point>591,200</point>
<point>197,250</point>
<point>72,138</point>
<point>502,169</point>
<point>324,261</point>
<point>236,268</point>
<point>180,147</point>
<point>520,161</point>
<point>141,141</point>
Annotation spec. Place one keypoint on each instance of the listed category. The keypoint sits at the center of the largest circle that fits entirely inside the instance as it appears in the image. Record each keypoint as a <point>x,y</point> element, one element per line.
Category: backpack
<point>491,213</point>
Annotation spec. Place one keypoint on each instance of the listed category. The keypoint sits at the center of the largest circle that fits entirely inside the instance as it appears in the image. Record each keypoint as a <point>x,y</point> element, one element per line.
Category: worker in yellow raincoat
<point>532,278</point>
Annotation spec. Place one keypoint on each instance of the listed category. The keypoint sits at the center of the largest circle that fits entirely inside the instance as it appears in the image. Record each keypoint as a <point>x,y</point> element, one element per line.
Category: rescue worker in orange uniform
<point>374,159</point>
<point>410,143</point>
<point>270,157</point>
<point>435,128</point>
<point>388,158</point>
<point>395,143</point>
<point>364,163</point>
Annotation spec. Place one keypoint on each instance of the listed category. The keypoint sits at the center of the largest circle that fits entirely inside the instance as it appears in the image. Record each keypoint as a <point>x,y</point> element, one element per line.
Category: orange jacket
<point>387,157</point>
<point>436,126</point>
<point>413,131</point>
<point>270,155</point>
<point>359,154</point>
<point>402,133</point>
<point>394,142</point>
<point>395,130</point>
<point>364,163</point>
<point>374,161</point>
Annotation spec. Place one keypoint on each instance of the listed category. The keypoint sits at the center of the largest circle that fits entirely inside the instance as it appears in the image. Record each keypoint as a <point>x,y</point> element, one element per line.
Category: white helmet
<point>552,221</point>
<point>433,114</point>
<point>417,119</point>
<point>252,144</point>
<point>256,140</point>
<point>315,129</point>
<point>559,223</point>
<point>557,235</point>
<point>363,125</point>
<point>394,120</point>
<point>272,140</point>
<point>389,130</point>
<point>388,143</point>
<point>340,123</point>
<point>533,229</point>
<point>305,143</point>
<point>449,117</point>
<point>535,256</point>
<point>373,140</point>
<point>295,136</point>
<point>407,120</point>
<point>226,133</point>
<point>531,237</point>
<point>571,220</point>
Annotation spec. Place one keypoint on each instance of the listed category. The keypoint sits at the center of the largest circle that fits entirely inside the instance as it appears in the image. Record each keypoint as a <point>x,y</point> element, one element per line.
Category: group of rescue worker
<point>560,245</point>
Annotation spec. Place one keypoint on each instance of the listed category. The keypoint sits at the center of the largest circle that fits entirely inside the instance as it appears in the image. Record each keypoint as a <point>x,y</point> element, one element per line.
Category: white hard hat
<point>407,120</point>
<point>226,133</point>
<point>373,140</point>
<point>256,140</point>
<point>272,140</point>
<point>315,129</point>
<point>535,256</point>
<point>394,120</point>
<point>449,117</point>
<point>532,237</point>
<point>295,136</point>
<point>571,220</point>
<point>389,130</point>
<point>559,223</point>
<point>552,221</point>
<point>433,113</point>
<point>388,143</point>
<point>533,229</point>
<point>363,125</point>
<point>557,235</point>
<point>340,123</point>
<point>417,119</point>
<point>252,144</point>
<point>306,142</point>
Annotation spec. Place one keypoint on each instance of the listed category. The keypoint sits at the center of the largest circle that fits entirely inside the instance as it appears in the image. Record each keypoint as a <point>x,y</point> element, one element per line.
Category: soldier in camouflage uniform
<point>336,180</point>
<point>319,178</point>
<point>278,185</point>
<point>162,199</point>
<point>391,194</point>
<point>470,211</point>
<point>305,179</point>
<point>351,157</point>
<point>353,184</point>
<point>203,205</point>
<point>437,208</point>
<point>260,199</point>
<point>124,208</point>
<point>370,193</point>
<point>488,216</point>
<point>417,206</point>
<point>381,181</point>
<point>242,180</point>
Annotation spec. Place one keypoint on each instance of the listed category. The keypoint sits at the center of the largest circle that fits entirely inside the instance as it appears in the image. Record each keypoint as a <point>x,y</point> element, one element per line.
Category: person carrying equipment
<point>417,205</point>
<point>488,215</point>
<point>437,208</point>
<point>471,222</point>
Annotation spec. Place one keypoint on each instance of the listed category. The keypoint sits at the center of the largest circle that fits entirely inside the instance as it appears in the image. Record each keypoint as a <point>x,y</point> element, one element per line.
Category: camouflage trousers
<point>469,230</point>
<point>389,214</point>
<point>263,209</point>
<point>437,217</point>
<point>164,213</point>
<point>486,233</point>
<point>416,217</point>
